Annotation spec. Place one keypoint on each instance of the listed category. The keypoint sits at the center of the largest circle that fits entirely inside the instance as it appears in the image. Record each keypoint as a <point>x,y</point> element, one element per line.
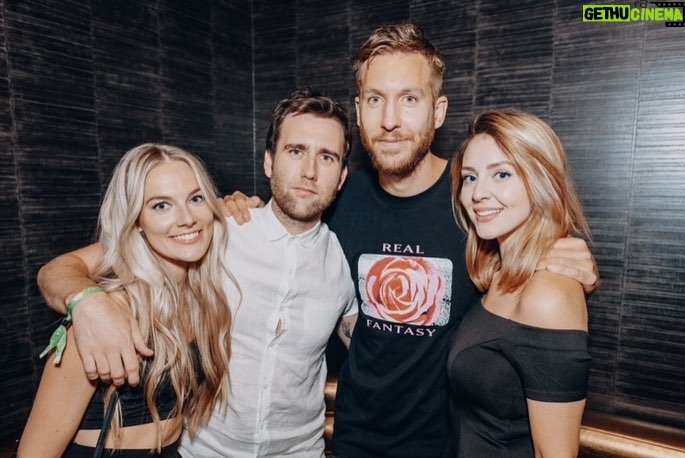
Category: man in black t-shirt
<point>406,255</point>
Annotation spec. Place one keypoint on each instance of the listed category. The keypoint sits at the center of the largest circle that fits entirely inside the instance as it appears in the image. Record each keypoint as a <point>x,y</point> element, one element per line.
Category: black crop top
<point>133,407</point>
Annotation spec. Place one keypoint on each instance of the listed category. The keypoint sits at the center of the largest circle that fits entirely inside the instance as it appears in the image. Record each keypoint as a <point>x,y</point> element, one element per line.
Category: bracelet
<point>58,339</point>
<point>80,296</point>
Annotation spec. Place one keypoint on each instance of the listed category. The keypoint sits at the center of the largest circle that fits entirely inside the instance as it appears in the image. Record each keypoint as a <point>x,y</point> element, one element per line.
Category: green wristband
<point>80,296</point>
<point>58,339</point>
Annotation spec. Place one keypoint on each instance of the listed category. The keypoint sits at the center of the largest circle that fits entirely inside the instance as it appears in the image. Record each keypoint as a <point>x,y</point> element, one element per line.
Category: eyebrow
<point>163,197</point>
<point>304,147</point>
<point>490,166</point>
<point>409,90</point>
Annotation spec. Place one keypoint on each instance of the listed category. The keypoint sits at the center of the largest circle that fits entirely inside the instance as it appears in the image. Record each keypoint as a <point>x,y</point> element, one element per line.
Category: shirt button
<point>265,386</point>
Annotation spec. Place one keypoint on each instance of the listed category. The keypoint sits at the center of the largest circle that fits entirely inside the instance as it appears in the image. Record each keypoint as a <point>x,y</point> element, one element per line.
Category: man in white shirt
<point>292,286</point>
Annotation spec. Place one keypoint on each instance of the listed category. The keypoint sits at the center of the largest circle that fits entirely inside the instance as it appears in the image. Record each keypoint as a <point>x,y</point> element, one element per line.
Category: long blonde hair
<point>170,316</point>
<point>539,159</point>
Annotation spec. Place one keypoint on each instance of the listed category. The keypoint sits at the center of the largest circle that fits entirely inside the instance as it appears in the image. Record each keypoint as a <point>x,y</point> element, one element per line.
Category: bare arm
<point>73,273</point>
<point>238,206</point>
<point>554,301</point>
<point>106,334</point>
<point>555,427</point>
<point>346,328</point>
<point>61,400</point>
<point>63,277</point>
<point>571,257</point>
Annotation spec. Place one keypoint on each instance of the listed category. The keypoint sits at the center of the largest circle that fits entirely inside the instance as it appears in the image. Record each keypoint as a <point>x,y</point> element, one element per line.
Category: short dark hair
<point>308,101</point>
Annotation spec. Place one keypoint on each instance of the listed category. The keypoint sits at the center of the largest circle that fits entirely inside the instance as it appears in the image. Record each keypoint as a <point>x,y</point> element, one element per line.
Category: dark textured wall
<point>82,81</point>
<point>615,93</point>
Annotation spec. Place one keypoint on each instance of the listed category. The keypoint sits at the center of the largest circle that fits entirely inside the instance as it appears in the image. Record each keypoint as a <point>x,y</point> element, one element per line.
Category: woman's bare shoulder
<point>554,301</point>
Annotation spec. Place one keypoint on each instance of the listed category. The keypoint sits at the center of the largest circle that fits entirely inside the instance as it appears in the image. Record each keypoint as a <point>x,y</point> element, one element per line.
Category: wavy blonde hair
<point>170,316</point>
<point>539,159</point>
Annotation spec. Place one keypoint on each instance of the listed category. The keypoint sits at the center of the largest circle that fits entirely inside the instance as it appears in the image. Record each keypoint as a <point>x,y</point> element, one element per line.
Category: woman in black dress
<point>518,366</point>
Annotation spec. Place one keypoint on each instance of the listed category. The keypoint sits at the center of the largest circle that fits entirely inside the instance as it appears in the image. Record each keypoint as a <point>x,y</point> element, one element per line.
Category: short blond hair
<point>401,39</point>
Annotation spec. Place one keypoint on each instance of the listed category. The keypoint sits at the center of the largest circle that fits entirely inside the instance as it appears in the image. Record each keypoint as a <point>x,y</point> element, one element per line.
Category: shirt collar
<point>276,231</point>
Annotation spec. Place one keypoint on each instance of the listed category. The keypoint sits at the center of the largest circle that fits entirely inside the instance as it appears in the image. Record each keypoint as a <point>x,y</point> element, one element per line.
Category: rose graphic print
<point>408,290</point>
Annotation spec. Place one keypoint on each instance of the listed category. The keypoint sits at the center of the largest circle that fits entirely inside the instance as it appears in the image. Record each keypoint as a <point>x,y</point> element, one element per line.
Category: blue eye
<point>374,101</point>
<point>410,100</point>
<point>199,198</point>
<point>160,206</point>
<point>502,175</point>
<point>468,178</point>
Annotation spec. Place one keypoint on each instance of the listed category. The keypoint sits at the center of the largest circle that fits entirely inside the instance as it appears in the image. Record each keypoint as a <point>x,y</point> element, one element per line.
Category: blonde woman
<point>161,238</point>
<point>518,366</point>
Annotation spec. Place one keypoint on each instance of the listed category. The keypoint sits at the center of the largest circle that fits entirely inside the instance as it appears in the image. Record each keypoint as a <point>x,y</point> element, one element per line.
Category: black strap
<point>105,425</point>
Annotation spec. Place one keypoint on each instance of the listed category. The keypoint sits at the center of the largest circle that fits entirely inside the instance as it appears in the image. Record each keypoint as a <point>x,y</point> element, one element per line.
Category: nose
<point>184,216</point>
<point>481,190</point>
<point>309,167</point>
<point>391,119</point>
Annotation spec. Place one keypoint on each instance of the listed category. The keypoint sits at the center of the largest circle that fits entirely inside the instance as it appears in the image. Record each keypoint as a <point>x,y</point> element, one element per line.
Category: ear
<point>268,163</point>
<point>356,107</point>
<point>440,110</point>
<point>343,177</point>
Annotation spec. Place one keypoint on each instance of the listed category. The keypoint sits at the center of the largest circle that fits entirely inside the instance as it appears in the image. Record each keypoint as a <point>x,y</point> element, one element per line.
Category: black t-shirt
<point>494,365</point>
<point>406,256</point>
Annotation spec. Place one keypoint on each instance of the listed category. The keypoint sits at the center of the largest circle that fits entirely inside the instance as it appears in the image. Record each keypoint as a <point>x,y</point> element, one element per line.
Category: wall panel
<point>594,100</point>
<point>650,374</point>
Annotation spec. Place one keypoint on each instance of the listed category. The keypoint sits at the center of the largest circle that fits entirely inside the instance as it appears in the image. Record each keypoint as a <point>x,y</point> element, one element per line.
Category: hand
<point>107,338</point>
<point>238,206</point>
<point>571,256</point>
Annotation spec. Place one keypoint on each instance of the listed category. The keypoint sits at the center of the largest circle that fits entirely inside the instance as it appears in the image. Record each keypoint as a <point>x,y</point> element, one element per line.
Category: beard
<point>300,210</point>
<point>402,164</point>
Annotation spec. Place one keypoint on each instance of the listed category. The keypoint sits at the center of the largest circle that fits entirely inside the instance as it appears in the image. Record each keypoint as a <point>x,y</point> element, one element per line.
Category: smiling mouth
<point>484,216</point>
<point>487,212</point>
<point>190,236</point>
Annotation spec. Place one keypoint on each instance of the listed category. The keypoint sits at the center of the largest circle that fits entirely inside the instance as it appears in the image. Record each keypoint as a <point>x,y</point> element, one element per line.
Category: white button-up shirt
<point>292,291</point>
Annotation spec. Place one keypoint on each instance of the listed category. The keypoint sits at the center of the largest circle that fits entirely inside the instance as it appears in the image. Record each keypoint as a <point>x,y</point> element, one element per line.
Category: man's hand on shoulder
<point>570,256</point>
<point>107,338</point>
<point>238,206</point>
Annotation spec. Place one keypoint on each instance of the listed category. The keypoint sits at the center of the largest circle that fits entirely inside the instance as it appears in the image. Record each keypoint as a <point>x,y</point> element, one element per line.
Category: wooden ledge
<point>605,435</point>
